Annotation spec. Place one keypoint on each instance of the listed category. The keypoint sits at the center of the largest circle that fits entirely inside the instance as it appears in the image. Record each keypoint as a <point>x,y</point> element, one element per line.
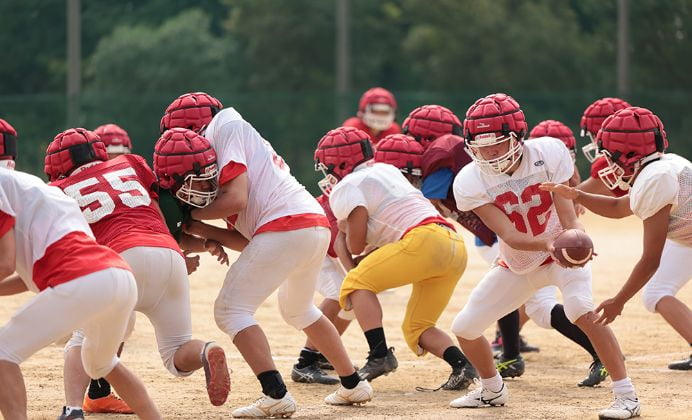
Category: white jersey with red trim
<point>273,191</point>
<point>663,182</point>
<point>531,210</point>
<point>43,215</point>
<point>394,205</point>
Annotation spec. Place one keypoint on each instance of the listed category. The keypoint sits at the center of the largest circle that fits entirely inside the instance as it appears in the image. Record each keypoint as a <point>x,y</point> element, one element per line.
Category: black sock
<point>559,321</point>
<point>509,327</point>
<point>377,342</point>
<point>272,384</point>
<point>454,357</point>
<point>307,357</point>
<point>99,388</point>
<point>350,381</point>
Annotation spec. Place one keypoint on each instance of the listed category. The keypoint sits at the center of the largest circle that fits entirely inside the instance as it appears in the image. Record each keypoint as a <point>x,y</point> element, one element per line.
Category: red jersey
<point>602,163</point>
<point>117,198</point>
<point>333,223</point>
<point>359,124</point>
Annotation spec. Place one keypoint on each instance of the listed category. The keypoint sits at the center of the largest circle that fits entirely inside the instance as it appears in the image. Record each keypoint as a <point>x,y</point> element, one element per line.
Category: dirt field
<point>547,389</point>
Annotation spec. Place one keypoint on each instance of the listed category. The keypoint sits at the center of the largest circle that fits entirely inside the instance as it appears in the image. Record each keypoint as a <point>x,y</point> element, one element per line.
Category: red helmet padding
<point>191,110</point>
<point>448,152</point>
<point>597,112</point>
<point>376,95</point>
<point>630,135</point>
<point>556,129</point>
<point>71,149</point>
<point>498,113</point>
<point>428,122</point>
<point>8,139</point>
<point>342,149</point>
<point>113,135</point>
<point>400,150</point>
<point>180,152</point>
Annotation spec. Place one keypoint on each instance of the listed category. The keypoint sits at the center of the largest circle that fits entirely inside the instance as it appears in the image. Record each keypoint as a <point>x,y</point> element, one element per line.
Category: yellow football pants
<point>430,257</point>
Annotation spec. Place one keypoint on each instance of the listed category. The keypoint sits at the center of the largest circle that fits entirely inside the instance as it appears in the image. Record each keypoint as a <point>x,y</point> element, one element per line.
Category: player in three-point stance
<point>501,186</point>
<point>633,143</point>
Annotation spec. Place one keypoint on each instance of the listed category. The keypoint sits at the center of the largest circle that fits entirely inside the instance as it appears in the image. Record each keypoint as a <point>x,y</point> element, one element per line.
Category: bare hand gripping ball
<point>573,248</point>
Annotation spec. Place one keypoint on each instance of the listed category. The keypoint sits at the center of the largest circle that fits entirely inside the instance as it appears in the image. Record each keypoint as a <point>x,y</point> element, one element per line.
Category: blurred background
<point>296,68</point>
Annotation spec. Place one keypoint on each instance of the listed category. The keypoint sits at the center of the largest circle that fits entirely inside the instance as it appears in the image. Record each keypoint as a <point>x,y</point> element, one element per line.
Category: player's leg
<point>575,284</point>
<point>164,297</point>
<point>659,293</point>
<point>12,391</point>
<point>497,294</point>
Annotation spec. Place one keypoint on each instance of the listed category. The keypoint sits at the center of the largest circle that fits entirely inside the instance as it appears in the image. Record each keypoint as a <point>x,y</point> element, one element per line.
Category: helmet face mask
<point>495,165</point>
<point>613,175</point>
<point>378,116</point>
<point>590,150</point>
<point>329,181</point>
<point>200,190</point>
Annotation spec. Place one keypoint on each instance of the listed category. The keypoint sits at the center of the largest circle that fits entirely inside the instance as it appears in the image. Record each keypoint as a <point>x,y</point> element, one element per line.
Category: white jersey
<point>663,182</point>
<point>394,205</point>
<point>43,215</point>
<point>531,210</point>
<point>273,191</point>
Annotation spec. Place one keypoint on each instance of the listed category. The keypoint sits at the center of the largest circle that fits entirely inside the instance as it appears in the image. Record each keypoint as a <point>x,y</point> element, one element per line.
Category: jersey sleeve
<point>344,199</point>
<point>145,175</point>
<point>436,185</point>
<point>6,223</point>
<point>468,189</point>
<point>558,161</point>
<point>653,192</point>
<point>230,150</point>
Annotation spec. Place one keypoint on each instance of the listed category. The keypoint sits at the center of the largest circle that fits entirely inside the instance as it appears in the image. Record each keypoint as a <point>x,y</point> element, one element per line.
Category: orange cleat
<point>109,404</point>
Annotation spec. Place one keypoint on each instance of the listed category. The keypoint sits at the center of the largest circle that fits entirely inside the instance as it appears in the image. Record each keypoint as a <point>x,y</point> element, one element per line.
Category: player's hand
<point>611,308</point>
<point>561,189</point>
<point>216,249</point>
<point>191,262</point>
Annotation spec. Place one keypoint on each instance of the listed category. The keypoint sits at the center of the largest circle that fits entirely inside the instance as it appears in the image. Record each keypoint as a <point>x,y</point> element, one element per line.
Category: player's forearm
<point>641,274</point>
<point>229,238</point>
<point>191,243</point>
<point>524,242</point>
<point>342,252</point>
<point>225,205</point>
<point>12,285</point>
<point>614,208</point>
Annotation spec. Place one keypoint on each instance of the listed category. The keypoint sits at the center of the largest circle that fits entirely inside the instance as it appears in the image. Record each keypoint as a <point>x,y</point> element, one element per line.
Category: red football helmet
<point>181,158</point>
<point>428,122</point>
<point>191,110</point>
<point>558,130</point>
<point>71,149</point>
<point>491,121</point>
<point>8,145</point>
<point>377,108</point>
<point>116,139</point>
<point>339,152</point>
<point>402,151</point>
<point>593,118</point>
<point>629,139</point>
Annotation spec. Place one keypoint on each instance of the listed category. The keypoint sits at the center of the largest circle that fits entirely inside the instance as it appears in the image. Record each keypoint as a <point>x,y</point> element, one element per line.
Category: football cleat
<point>216,373</point>
<point>312,374</point>
<point>322,361</point>
<point>377,366</point>
<point>482,397</point>
<point>361,394</point>
<point>597,374</point>
<point>110,404</point>
<point>623,407</point>
<point>267,407</point>
<point>72,415</point>
<point>685,364</point>
<point>510,368</point>
<point>458,380</point>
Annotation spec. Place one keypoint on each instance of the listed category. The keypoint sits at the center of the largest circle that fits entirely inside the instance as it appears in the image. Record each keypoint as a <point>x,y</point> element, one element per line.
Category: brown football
<point>573,248</point>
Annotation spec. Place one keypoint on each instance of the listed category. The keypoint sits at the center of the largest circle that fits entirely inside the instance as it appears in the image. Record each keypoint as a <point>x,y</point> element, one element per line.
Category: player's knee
<point>76,340</point>
<point>98,367</point>
<point>540,313</point>
<point>412,331</point>
<point>464,326</point>
<point>347,315</point>
<point>576,307</point>
<point>232,321</point>
<point>651,296</point>
<point>299,317</point>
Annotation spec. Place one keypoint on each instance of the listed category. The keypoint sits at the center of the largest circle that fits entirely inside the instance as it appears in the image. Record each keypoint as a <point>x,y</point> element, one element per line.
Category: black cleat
<point>525,347</point>
<point>378,366</point>
<point>73,415</point>
<point>459,380</point>
<point>510,368</point>
<point>323,363</point>
<point>597,374</point>
<point>682,364</point>
<point>312,374</point>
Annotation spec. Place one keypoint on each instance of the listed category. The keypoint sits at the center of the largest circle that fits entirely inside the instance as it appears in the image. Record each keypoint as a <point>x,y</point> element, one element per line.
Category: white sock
<point>493,384</point>
<point>623,387</point>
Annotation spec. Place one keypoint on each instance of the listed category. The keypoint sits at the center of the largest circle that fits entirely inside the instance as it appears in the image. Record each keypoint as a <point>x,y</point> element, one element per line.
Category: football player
<point>79,284</point>
<point>501,186</point>
<point>118,198</point>
<point>8,145</point>
<point>376,114</point>
<point>633,143</point>
<point>115,138</point>
<point>378,207</point>
<point>288,236</point>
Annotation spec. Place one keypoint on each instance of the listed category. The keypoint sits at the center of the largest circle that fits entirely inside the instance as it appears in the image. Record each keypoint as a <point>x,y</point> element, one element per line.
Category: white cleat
<point>267,407</point>
<point>361,394</point>
<point>624,407</point>
<point>482,397</point>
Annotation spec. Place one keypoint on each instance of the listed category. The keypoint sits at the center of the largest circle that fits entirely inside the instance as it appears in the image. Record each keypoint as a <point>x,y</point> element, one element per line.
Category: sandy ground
<point>547,389</point>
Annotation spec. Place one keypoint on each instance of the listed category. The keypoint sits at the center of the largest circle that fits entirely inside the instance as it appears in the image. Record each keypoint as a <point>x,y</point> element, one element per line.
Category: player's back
<point>117,198</point>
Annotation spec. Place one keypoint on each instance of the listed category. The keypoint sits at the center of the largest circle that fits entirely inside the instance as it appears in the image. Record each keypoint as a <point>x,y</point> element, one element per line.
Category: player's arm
<point>611,207</point>
<point>356,230</point>
<point>566,212</point>
<point>499,223</point>
<point>594,186</point>
<point>229,238</point>
<point>10,285</point>
<point>655,233</point>
<point>231,199</point>
<point>342,252</point>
